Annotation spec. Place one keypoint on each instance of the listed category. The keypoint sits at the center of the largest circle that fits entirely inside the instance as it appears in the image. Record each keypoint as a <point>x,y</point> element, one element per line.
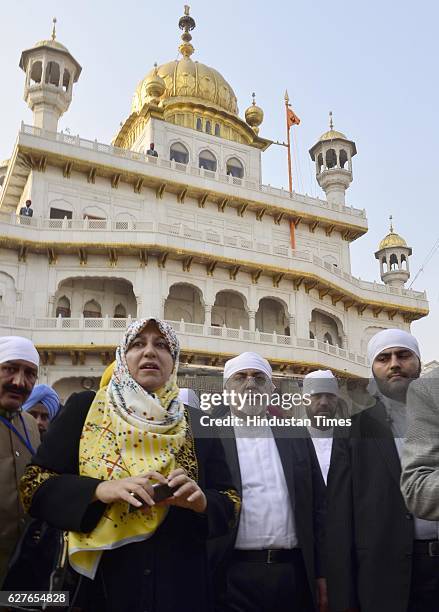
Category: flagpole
<point>290,171</point>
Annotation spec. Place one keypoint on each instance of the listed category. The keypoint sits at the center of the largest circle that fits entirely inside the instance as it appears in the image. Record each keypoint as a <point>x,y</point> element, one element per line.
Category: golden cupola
<point>392,239</point>
<point>254,115</point>
<point>190,94</point>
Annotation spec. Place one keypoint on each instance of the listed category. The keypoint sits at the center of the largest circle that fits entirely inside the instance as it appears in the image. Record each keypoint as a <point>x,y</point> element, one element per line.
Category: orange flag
<point>292,118</point>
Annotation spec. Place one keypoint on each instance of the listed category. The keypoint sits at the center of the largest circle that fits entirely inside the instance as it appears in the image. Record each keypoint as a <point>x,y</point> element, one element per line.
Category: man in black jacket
<point>378,553</point>
<point>271,560</point>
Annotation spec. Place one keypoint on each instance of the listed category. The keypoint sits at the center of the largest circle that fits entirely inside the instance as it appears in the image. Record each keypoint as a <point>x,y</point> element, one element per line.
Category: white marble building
<point>191,235</point>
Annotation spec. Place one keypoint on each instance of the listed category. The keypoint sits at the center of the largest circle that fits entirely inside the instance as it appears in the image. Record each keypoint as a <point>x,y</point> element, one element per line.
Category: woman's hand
<point>128,489</point>
<point>187,493</point>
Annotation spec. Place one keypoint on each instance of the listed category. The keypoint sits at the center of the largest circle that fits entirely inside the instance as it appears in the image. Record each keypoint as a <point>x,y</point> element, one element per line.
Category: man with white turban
<point>19,436</point>
<point>271,559</point>
<point>381,556</point>
<point>322,388</point>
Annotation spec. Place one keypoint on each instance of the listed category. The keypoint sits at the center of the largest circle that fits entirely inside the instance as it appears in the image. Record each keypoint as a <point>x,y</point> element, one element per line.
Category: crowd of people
<point>130,499</point>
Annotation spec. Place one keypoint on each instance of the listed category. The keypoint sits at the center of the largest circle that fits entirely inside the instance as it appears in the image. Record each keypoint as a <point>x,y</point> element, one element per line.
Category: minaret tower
<point>333,155</point>
<point>50,73</point>
<point>393,255</point>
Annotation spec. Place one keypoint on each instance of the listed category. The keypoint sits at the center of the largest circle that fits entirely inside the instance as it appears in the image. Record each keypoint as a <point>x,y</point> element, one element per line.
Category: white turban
<point>246,361</point>
<point>320,381</point>
<point>189,397</point>
<point>16,347</point>
<point>391,338</point>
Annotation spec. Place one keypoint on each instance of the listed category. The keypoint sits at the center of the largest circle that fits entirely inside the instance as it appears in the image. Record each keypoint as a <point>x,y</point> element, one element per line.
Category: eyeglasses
<point>259,379</point>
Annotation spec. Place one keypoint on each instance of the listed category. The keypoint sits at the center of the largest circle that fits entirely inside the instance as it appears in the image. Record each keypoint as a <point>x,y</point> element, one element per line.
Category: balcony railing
<point>280,250</point>
<point>190,169</point>
<point>183,329</point>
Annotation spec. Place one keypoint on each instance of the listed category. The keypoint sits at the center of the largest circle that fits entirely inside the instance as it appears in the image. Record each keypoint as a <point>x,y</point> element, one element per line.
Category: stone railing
<point>189,169</point>
<point>279,250</point>
<point>109,330</point>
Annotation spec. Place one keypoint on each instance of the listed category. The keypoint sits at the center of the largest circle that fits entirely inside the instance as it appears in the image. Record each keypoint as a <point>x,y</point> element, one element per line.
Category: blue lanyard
<point>12,427</point>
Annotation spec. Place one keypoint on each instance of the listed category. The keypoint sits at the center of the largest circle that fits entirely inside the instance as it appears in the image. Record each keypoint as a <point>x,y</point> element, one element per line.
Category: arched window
<point>320,162</point>
<point>179,153</point>
<point>343,159</point>
<point>384,264</point>
<point>66,79</point>
<point>207,160</point>
<point>199,124</point>
<point>208,127</point>
<point>120,312</point>
<point>234,167</point>
<point>52,73</point>
<point>393,262</point>
<point>331,158</point>
<point>63,308</point>
<point>328,338</point>
<point>36,72</point>
<point>92,310</point>
<point>311,335</point>
<point>217,129</point>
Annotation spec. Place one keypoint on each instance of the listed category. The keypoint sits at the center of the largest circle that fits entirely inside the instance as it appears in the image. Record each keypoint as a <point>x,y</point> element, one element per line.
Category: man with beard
<point>19,436</point>
<point>379,553</point>
<point>271,560</point>
<point>322,388</point>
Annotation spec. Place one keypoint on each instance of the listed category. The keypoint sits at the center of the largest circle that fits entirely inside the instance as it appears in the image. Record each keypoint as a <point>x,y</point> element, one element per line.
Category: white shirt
<point>322,441</point>
<point>267,518</point>
<point>397,415</point>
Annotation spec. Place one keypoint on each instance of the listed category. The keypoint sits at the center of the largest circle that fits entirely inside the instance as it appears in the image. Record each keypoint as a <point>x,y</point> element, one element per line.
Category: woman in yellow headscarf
<point>107,462</point>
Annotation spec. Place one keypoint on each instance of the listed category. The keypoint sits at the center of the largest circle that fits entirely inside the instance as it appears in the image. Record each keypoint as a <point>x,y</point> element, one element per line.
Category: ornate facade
<point>192,235</point>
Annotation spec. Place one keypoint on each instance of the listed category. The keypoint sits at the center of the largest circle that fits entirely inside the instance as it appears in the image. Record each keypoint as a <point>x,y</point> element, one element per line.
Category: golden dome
<point>54,44</point>
<point>392,240</point>
<point>332,135</point>
<point>254,115</point>
<point>191,80</point>
<point>184,78</point>
<point>155,86</point>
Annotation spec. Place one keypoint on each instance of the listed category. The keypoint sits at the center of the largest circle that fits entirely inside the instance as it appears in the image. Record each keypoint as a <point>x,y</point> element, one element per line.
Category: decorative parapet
<point>36,148</point>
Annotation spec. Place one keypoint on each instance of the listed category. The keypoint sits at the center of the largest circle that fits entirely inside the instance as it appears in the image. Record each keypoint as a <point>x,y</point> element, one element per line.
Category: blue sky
<point>373,64</point>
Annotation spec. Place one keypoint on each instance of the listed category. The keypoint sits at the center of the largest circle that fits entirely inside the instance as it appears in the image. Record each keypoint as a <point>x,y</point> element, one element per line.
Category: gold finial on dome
<point>254,115</point>
<point>54,29</point>
<point>332,134</point>
<point>187,24</point>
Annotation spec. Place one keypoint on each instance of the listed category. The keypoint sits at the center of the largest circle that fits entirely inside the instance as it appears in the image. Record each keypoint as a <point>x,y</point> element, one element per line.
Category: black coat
<point>369,529</point>
<point>307,495</point>
<point>165,573</point>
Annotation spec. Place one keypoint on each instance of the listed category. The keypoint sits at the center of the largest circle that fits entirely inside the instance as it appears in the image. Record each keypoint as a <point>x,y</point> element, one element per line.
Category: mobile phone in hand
<point>161,492</point>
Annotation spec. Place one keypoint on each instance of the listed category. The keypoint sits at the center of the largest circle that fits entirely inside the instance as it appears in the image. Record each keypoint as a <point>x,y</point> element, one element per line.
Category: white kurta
<point>267,518</point>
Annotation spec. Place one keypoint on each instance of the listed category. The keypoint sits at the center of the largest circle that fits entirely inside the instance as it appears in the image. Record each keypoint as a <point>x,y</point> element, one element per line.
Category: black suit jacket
<point>369,529</point>
<point>306,494</point>
<point>153,574</point>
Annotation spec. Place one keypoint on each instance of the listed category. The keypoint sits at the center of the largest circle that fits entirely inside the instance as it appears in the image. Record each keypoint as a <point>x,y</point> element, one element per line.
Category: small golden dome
<point>155,86</point>
<point>254,115</point>
<point>392,240</point>
<point>332,135</point>
<point>54,44</point>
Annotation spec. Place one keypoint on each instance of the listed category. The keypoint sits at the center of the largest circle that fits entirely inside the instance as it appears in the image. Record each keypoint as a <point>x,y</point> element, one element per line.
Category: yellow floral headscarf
<point>128,432</point>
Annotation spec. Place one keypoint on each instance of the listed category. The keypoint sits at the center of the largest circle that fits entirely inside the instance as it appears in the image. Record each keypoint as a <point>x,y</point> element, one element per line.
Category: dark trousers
<point>424,588</point>
<point>254,586</point>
